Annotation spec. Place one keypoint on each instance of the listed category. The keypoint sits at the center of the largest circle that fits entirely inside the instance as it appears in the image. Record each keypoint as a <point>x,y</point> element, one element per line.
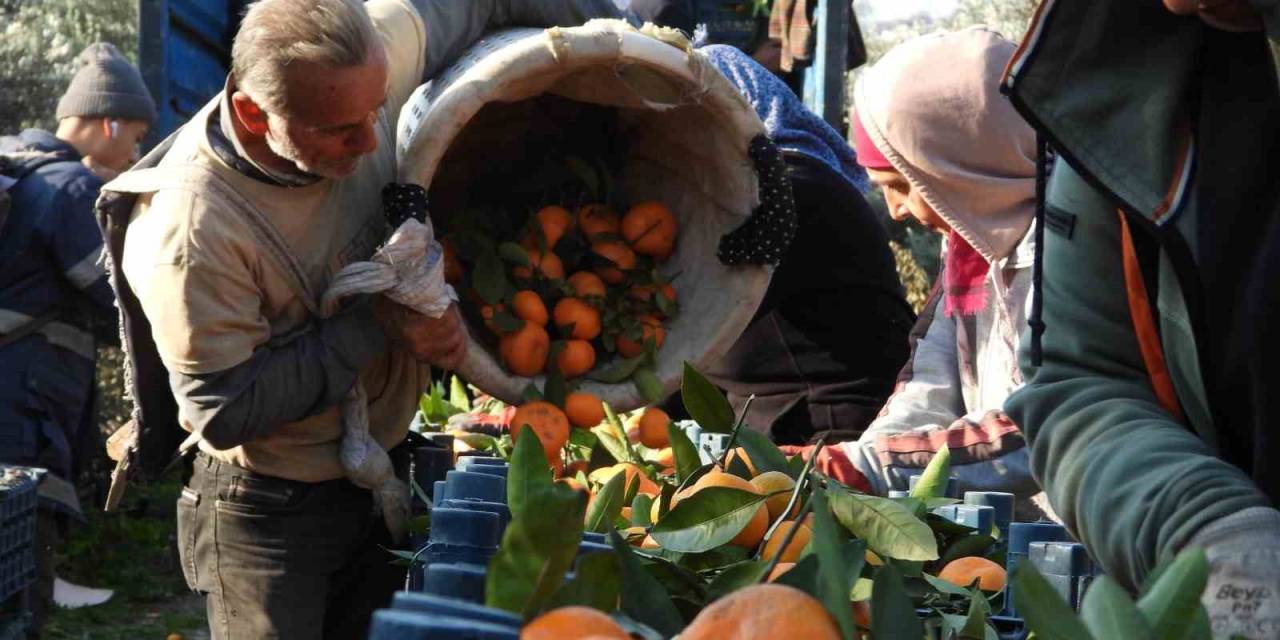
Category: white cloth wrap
<point>408,269</point>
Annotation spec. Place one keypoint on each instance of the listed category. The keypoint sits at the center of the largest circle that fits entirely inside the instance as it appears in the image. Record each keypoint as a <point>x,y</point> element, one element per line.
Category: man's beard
<point>281,144</point>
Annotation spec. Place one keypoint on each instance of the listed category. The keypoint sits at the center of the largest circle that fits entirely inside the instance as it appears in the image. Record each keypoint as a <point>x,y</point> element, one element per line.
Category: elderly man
<point>269,191</point>
<point>54,295</point>
<point>1151,405</point>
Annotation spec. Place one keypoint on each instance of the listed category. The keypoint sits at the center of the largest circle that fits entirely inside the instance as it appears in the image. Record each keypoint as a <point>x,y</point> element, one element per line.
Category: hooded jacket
<point>49,269</point>
<point>932,108</point>
<point>1150,406</point>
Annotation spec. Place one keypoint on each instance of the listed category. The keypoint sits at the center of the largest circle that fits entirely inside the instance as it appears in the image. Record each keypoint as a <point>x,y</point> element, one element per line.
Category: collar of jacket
<point>36,145</point>
<point>1116,87</point>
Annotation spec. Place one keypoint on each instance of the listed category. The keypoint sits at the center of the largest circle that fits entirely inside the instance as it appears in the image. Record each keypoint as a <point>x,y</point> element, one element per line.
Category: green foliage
<point>597,584</point>
<point>541,541</point>
<point>892,613</point>
<point>39,40</point>
<point>607,505</point>
<point>933,482</point>
<point>706,404</point>
<point>685,452</point>
<point>840,564</point>
<point>644,597</point>
<point>707,519</point>
<point>1169,608</point>
<point>763,453</point>
<point>889,528</point>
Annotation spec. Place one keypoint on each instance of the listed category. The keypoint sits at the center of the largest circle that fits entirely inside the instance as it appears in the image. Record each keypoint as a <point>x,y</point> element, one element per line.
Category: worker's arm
<point>927,393</point>
<point>1128,479</point>
<point>280,384</point>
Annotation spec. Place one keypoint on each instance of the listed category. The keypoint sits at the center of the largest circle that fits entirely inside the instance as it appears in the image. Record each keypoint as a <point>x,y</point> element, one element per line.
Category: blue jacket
<point>49,249</point>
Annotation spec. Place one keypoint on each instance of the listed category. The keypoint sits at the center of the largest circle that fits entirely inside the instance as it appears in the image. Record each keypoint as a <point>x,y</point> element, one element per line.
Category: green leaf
<point>617,371</point>
<point>598,584</point>
<point>409,558</point>
<point>585,174</point>
<point>764,454</point>
<point>506,322</point>
<point>1200,628</point>
<point>613,425</point>
<point>611,443</point>
<point>933,482</point>
<point>420,525</point>
<point>974,545</point>
<point>649,386</point>
<point>803,576</point>
<point>839,567</point>
<point>706,404</point>
<point>738,467</point>
<point>1109,612</point>
<point>489,279</point>
<point>945,587</point>
<point>424,407</point>
<point>418,492</point>
<point>1044,611</point>
<point>458,396</point>
<point>707,519</point>
<point>643,597</point>
<point>795,466</point>
<point>640,507</point>
<point>529,474</point>
<point>514,253</point>
<point>889,528</point>
<point>633,489</point>
<point>975,624</point>
<point>583,438</point>
<point>1170,603</point>
<point>686,454</point>
<point>530,393</point>
<point>607,505</point>
<point>713,560</point>
<point>734,577</point>
<point>555,390</point>
<point>892,613</point>
<point>537,549</point>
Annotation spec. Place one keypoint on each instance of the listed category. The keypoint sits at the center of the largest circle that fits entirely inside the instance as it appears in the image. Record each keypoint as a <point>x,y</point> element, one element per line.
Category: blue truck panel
<point>184,47</point>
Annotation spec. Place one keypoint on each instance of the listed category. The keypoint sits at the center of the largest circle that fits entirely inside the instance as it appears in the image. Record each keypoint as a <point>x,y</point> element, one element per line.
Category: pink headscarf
<point>961,145</point>
<point>868,155</point>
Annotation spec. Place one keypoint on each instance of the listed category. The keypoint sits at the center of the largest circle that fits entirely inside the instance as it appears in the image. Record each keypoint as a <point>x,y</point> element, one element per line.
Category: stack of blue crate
<point>18,502</point>
<point>447,585</point>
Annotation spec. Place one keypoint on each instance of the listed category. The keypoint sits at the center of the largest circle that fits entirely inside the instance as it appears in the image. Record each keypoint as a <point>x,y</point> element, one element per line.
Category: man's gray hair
<point>275,33</point>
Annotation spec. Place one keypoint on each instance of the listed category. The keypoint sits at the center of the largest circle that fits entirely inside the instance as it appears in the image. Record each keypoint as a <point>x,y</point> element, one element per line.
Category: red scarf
<point>964,278</point>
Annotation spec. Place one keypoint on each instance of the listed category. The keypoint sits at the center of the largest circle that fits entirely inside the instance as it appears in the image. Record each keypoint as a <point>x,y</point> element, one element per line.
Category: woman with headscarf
<point>947,149</point>
<point>822,351</point>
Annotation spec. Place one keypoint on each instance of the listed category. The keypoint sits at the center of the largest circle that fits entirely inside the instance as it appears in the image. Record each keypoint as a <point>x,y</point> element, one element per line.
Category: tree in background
<point>39,42</point>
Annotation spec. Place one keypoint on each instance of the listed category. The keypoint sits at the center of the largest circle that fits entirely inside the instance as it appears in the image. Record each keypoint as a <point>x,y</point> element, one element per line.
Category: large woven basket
<point>687,131</point>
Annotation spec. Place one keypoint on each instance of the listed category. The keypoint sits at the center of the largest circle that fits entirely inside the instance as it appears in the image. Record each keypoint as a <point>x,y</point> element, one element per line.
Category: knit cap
<point>106,85</point>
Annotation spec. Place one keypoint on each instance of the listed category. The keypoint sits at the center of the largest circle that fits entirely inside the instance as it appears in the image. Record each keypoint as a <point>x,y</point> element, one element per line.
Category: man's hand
<point>441,342</point>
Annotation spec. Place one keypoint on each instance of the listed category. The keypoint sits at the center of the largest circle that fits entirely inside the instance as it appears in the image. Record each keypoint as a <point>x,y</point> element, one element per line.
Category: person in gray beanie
<point>56,305</point>
<point>106,110</point>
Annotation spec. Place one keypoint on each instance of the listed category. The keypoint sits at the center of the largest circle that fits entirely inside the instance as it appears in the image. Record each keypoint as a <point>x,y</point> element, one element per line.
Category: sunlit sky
<point>896,9</point>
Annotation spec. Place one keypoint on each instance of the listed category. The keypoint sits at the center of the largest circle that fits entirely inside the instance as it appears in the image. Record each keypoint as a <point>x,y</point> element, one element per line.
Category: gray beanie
<point>106,85</point>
